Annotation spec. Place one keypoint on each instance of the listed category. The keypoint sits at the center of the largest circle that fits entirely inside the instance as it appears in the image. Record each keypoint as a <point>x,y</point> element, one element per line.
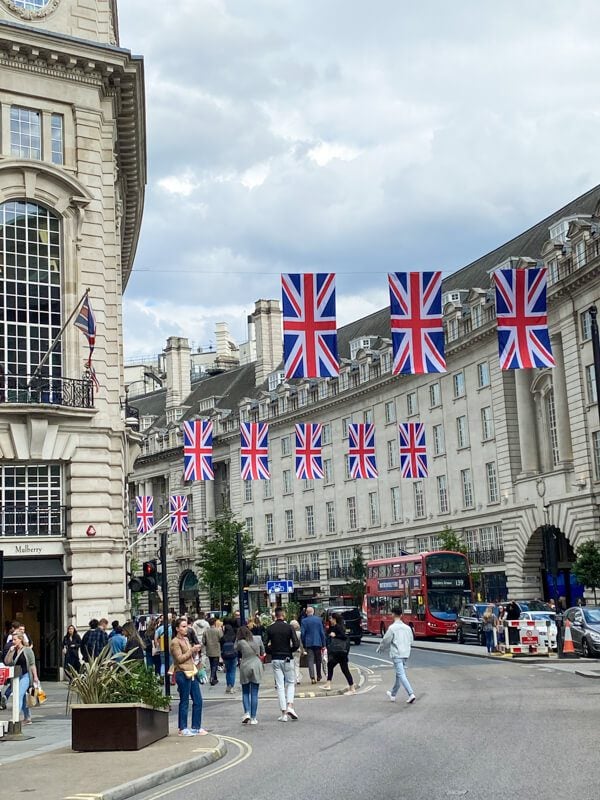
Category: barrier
<point>13,727</point>
<point>529,640</point>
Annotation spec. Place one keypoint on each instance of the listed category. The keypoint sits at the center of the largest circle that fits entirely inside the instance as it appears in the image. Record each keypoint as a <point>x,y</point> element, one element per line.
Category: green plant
<point>359,576</point>
<point>116,679</point>
<point>292,610</point>
<point>587,566</point>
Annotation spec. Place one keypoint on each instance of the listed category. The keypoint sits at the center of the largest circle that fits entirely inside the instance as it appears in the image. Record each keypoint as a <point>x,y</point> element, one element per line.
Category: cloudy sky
<point>347,136</point>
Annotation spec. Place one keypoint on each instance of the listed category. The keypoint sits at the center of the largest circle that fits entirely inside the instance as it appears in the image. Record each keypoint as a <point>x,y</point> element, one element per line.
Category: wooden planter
<point>117,726</point>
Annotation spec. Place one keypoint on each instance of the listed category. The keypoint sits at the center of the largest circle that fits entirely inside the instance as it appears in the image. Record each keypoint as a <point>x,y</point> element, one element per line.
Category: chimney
<point>267,320</point>
<point>178,364</point>
<point>222,334</point>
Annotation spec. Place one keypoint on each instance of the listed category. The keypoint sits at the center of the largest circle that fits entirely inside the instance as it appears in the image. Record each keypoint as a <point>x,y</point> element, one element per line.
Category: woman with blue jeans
<point>23,657</point>
<point>488,625</point>
<point>182,653</point>
<point>229,655</point>
<point>250,649</point>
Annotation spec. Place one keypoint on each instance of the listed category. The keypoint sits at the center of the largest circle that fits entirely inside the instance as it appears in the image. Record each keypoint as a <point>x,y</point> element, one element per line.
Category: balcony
<point>482,557</point>
<point>296,575</point>
<point>68,392</point>
<point>340,572</point>
<point>33,521</point>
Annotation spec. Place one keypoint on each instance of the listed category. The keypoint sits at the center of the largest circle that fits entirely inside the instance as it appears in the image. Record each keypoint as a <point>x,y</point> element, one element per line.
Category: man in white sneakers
<point>398,639</point>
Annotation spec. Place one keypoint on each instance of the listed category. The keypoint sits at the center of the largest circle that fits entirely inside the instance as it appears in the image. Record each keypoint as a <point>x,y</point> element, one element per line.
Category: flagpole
<point>148,532</point>
<point>56,338</point>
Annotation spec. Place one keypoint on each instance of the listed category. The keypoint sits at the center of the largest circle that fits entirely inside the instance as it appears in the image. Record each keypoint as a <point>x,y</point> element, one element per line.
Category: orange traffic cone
<point>568,648</point>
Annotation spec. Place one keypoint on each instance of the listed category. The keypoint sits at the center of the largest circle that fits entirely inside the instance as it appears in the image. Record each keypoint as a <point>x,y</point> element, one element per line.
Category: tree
<point>449,540</point>
<point>359,576</point>
<point>587,566</point>
<point>218,558</point>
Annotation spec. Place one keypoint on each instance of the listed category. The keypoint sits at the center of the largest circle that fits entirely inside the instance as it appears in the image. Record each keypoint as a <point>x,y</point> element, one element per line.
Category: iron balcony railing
<point>71,392</point>
<point>484,556</point>
<point>340,572</point>
<point>296,575</point>
<point>33,520</point>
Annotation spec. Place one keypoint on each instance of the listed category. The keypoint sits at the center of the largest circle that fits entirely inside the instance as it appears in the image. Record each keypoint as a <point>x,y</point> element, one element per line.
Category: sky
<point>350,137</point>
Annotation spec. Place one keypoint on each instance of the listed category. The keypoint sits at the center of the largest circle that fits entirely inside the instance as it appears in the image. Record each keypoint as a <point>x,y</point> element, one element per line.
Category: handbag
<point>201,675</point>
<point>338,646</point>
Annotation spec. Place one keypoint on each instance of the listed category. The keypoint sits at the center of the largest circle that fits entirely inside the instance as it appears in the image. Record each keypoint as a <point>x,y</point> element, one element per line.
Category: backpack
<point>228,649</point>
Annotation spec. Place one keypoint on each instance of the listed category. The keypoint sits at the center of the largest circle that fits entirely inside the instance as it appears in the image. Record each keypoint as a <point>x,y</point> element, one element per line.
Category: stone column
<point>561,403</point>
<point>527,423</point>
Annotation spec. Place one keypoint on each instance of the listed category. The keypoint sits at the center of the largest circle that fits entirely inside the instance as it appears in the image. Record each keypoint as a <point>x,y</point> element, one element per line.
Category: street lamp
<point>593,312</point>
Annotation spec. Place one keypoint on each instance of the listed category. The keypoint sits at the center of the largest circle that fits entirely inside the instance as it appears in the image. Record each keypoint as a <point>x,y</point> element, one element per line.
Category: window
<point>57,138</point>
<point>374,508</point>
<point>442,493</point>
<point>328,470</point>
<point>368,416</point>
<point>552,429</point>
<point>386,362</point>
<point>344,380</point>
<point>419,498</point>
<point>326,433</point>
<point>586,326</point>
<point>289,524</point>
<point>435,395</point>
<point>452,329</point>
<point>462,431</point>
<point>476,315</point>
<point>275,378</point>
<point>309,513</point>
<point>269,532</point>
<point>393,453</point>
<point>458,381</point>
<point>345,422</point>
<point>579,258</point>
<point>351,510</point>
<point>25,133</point>
<point>247,491</point>
<point>364,372</point>
<point>390,411</point>
<point>308,484</point>
<point>483,374</point>
<point>285,446</point>
<point>249,521</point>
<point>492,482</point>
<point>590,378</point>
<point>596,453</point>
<point>439,445</point>
<point>330,514</point>
<point>390,549</point>
<point>267,489</point>
<point>31,5</point>
<point>487,424</point>
<point>467,488</point>
<point>411,404</point>
<point>287,481</point>
<point>31,500</point>
<point>323,389</point>
<point>302,397</point>
<point>396,504</point>
<point>377,550</point>
<point>347,475</point>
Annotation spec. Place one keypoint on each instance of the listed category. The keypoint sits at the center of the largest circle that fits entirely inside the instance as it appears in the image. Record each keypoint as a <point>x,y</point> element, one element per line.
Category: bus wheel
<point>382,629</point>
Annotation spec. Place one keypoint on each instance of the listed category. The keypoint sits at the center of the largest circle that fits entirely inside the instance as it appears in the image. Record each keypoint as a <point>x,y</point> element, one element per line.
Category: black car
<point>585,629</point>
<point>352,620</point>
<point>469,624</point>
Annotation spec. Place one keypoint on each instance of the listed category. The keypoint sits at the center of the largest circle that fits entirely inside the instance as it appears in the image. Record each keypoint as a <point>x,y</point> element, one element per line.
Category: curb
<point>139,785</point>
<point>592,675</point>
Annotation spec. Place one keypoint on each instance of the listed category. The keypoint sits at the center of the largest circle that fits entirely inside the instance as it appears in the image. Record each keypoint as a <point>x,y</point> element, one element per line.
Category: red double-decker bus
<point>430,588</point>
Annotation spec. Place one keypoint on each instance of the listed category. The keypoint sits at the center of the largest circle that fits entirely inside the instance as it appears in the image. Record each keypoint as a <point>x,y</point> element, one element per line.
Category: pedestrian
<point>338,647</point>
<point>513,612</point>
<point>94,641</point>
<point>250,649</point>
<point>71,646</point>
<point>116,626</point>
<point>312,634</point>
<point>117,642</point>
<point>103,624</point>
<point>200,625</point>
<point>299,652</point>
<point>488,624</point>
<point>133,642</point>
<point>211,639</point>
<point>398,640</point>
<point>159,641</point>
<point>500,623</point>
<point>237,620</point>
<point>23,657</point>
<point>229,654</point>
<point>182,655</point>
<point>152,654</point>
<point>282,642</point>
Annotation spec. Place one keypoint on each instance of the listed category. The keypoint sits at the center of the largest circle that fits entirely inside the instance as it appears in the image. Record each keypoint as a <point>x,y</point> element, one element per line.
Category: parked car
<point>585,629</point>
<point>530,605</point>
<point>352,620</point>
<point>469,624</point>
<point>541,618</point>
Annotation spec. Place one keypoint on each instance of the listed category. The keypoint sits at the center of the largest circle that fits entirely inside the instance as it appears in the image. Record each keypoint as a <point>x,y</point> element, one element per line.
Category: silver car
<point>585,629</point>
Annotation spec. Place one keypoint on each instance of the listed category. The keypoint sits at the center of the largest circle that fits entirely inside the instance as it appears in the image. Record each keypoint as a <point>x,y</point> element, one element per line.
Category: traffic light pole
<point>240,556</point>
<point>165,603</point>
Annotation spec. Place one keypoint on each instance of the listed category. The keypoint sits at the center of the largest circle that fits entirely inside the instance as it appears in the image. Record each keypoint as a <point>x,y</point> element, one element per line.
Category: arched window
<point>30,290</point>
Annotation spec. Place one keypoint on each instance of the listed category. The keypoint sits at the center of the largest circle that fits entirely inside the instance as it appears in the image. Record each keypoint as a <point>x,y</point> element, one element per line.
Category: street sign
<point>280,587</point>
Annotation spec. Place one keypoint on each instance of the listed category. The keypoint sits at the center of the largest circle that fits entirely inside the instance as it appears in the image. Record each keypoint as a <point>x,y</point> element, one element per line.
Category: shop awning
<point>34,570</point>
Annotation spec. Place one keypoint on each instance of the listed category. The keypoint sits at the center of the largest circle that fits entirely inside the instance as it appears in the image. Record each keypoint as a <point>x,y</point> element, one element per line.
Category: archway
<point>548,563</point>
<point>188,593</point>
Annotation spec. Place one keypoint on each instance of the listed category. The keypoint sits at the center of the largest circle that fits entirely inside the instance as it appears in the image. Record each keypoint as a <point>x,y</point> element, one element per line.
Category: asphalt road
<point>479,729</point>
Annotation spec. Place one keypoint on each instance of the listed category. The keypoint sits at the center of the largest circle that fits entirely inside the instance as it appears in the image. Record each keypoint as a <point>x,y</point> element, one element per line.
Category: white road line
<point>373,658</point>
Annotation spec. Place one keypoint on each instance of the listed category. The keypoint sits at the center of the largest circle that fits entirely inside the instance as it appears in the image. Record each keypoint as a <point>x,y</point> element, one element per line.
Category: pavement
<point>44,749</point>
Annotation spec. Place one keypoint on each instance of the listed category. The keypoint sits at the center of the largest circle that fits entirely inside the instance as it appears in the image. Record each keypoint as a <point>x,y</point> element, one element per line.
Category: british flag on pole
<point>521,314</point>
<point>197,450</point>
<point>309,325</point>
<point>255,451</point>
<point>144,511</point>
<point>416,322</point>
<point>178,511</point>
<point>361,450</point>
<point>309,462</point>
<point>413,452</point>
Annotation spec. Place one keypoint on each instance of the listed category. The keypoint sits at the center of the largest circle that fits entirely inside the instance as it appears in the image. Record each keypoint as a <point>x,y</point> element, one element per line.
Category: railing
<point>33,520</point>
<point>296,575</point>
<point>71,392</point>
<point>484,556</point>
<point>340,572</point>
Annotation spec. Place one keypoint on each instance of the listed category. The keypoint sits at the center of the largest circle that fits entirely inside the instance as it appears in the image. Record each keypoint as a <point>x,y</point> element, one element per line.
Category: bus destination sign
<point>446,583</point>
<point>389,585</point>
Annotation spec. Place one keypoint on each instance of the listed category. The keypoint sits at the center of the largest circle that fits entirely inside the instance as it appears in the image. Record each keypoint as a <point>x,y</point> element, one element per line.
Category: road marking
<point>373,658</point>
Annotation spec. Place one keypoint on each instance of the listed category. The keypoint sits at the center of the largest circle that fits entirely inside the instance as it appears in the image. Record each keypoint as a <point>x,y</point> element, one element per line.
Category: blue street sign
<point>280,587</point>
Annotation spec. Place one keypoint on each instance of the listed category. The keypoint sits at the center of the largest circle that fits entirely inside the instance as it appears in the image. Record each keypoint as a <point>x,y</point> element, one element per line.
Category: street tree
<point>587,566</point>
<point>218,557</point>
<point>358,570</point>
<point>449,540</point>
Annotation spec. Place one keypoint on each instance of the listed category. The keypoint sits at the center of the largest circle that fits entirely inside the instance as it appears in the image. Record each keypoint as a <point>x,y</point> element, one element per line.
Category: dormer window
<point>364,343</point>
<point>476,316</point>
<point>275,378</point>
<point>451,297</point>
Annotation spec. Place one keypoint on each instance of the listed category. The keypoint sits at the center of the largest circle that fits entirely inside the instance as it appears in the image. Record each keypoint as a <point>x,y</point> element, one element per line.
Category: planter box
<point>117,726</point>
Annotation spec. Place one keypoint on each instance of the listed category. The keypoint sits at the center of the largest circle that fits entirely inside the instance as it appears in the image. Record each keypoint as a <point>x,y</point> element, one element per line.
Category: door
<point>51,634</point>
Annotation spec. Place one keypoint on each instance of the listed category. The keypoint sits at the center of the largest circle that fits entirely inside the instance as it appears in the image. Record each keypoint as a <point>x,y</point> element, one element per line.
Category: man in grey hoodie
<point>398,640</point>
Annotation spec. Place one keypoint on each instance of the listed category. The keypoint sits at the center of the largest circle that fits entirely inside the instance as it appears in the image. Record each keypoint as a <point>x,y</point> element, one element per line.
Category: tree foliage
<point>218,557</point>
<point>359,576</point>
<point>587,566</point>
<point>449,540</point>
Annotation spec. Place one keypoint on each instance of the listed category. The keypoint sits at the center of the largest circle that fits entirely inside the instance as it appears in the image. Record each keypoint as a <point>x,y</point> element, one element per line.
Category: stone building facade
<point>508,450</point>
<point>72,177</point>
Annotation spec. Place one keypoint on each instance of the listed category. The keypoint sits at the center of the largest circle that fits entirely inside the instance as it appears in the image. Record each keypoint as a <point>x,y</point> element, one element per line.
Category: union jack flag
<point>413,453</point>
<point>361,452</point>
<point>309,326</point>
<point>309,463</point>
<point>197,450</point>
<point>86,322</point>
<point>144,511</point>
<point>255,451</point>
<point>178,510</point>
<point>416,321</point>
<point>523,336</point>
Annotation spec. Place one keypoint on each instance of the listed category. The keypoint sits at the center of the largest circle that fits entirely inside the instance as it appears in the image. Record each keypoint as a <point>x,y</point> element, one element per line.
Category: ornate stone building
<point>72,177</point>
<point>508,450</point>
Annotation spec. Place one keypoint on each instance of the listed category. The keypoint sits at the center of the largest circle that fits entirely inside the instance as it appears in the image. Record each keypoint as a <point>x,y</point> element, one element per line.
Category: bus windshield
<point>447,563</point>
<point>446,604</point>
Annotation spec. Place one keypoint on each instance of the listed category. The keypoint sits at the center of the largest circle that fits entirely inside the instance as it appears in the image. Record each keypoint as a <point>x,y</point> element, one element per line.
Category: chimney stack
<point>178,365</point>
<point>267,318</point>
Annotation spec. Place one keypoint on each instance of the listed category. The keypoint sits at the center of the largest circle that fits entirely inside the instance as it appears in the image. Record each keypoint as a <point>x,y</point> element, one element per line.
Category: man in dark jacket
<point>281,644</point>
<point>312,633</point>
<point>94,641</point>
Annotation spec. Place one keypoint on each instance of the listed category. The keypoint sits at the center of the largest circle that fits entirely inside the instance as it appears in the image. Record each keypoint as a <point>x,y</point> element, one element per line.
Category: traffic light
<point>246,572</point>
<point>149,576</point>
<point>135,584</point>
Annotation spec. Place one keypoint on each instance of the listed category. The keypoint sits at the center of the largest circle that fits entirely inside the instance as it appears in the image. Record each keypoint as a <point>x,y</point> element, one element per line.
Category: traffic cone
<point>568,648</point>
